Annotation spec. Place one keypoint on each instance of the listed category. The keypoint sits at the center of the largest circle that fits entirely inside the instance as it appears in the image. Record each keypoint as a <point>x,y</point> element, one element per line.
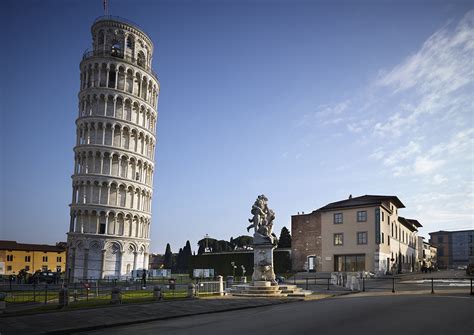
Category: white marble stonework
<point>112,184</point>
<point>263,262</point>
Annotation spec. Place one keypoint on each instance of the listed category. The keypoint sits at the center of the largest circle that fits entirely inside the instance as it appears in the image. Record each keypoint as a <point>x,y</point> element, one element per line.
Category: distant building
<point>357,234</point>
<point>15,257</point>
<point>455,248</point>
<point>427,254</point>
<point>155,261</point>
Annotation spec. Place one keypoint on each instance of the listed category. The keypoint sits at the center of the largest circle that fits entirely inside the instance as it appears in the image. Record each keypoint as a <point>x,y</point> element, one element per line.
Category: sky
<point>306,102</point>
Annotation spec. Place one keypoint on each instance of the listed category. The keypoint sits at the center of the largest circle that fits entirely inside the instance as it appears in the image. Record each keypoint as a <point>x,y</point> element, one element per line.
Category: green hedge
<point>221,262</point>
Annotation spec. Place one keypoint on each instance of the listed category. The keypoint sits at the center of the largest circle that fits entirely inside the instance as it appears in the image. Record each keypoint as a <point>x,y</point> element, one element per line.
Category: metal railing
<point>118,19</point>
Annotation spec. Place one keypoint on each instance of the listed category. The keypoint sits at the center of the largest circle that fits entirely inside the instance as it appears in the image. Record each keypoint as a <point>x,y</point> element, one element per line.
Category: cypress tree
<point>168,260</point>
<point>285,238</point>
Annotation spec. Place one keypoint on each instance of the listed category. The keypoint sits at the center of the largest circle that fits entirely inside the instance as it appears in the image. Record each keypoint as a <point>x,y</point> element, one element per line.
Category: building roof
<point>409,223</point>
<point>451,231</point>
<point>364,200</point>
<point>13,245</point>
<point>414,222</point>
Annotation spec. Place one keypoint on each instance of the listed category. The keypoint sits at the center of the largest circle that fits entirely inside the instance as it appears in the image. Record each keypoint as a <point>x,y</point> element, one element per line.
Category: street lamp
<point>233,268</point>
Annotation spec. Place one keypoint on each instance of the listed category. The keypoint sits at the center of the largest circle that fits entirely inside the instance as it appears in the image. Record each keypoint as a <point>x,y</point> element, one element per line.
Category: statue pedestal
<point>263,263</point>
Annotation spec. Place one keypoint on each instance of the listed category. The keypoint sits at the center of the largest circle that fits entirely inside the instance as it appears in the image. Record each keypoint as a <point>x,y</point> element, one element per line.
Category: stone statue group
<point>262,221</point>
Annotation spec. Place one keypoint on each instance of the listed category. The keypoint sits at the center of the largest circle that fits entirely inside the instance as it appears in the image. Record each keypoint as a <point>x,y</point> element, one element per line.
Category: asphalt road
<point>398,314</point>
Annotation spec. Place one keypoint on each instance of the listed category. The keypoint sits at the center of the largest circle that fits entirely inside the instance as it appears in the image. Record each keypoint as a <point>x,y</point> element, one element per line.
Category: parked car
<point>47,277</point>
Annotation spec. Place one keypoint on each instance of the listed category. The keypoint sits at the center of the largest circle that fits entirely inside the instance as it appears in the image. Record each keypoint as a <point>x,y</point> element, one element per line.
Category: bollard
<point>306,283</point>
<point>116,296</point>
<point>3,304</point>
<point>472,293</point>
<point>244,279</point>
<point>432,286</point>
<point>329,279</point>
<point>221,285</point>
<point>393,284</point>
<point>63,297</point>
<point>46,294</point>
<point>157,293</point>
<point>363,284</point>
<point>191,290</point>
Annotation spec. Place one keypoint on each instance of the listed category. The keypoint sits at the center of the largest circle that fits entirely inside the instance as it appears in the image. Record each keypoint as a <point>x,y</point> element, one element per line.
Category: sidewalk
<point>69,321</point>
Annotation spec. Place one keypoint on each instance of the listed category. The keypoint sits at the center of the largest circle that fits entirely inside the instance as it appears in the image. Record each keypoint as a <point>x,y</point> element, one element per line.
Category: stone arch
<point>113,251</point>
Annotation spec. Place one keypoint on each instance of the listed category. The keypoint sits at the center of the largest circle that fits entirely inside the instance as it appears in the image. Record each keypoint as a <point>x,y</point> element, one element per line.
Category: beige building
<point>357,234</point>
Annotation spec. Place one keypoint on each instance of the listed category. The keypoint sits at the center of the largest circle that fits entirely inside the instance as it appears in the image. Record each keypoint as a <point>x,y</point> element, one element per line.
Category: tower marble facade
<point>109,232</point>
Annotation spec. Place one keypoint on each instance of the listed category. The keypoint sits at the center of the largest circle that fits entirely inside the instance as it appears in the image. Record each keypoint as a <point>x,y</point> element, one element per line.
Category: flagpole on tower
<point>106,7</point>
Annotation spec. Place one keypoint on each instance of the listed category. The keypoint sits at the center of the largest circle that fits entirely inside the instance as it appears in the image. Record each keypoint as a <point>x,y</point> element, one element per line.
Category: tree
<point>168,260</point>
<point>207,242</point>
<point>179,261</point>
<point>285,238</point>
<point>186,256</point>
<point>223,245</point>
<point>243,242</point>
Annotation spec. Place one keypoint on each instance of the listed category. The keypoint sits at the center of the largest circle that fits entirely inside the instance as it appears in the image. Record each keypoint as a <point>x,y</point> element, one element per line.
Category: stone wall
<point>305,240</point>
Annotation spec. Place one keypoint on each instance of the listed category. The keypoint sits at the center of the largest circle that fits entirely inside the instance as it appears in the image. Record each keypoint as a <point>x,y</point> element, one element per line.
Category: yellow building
<point>15,257</point>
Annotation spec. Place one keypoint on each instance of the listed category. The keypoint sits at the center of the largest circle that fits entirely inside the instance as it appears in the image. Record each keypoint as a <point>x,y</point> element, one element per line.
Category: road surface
<point>351,314</point>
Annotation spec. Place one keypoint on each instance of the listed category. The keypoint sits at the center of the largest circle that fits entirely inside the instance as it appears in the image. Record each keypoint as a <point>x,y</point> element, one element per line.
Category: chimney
<point>350,196</point>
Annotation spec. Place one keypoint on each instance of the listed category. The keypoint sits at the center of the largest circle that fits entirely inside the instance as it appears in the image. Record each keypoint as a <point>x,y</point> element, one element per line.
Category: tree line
<point>180,262</point>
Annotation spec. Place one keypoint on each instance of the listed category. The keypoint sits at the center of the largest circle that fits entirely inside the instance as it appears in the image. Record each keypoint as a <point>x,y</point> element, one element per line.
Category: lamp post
<point>233,268</point>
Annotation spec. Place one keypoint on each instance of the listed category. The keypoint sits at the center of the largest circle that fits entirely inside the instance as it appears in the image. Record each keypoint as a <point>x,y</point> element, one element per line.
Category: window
<point>27,268</point>
<point>58,259</point>
<point>9,258</point>
<point>361,216</point>
<point>440,239</point>
<point>337,218</point>
<point>58,268</point>
<point>9,268</point>
<point>440,252</point>
<point>382,238</point>
<point>383,217</point>
<point>45,258</point>
<point>102,228</point>
<point>129,42</point>
<point>338,239</point>
<point>349,263</point>
<point>27,258</point>
<point>116,49</point>
<point>388,240</point>
<point>141,59</point>
<point>362,237</point>
<point>44,268</point>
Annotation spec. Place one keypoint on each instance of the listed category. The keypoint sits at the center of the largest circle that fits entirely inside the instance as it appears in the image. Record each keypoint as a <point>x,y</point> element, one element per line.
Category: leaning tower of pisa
<point>109,231</point>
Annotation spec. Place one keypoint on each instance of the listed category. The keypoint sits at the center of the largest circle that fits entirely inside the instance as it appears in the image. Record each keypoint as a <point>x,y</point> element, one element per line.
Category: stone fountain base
<point>267,290</point>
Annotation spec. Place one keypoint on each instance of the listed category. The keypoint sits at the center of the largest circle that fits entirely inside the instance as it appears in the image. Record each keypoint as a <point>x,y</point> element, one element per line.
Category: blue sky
<point>304,101</point>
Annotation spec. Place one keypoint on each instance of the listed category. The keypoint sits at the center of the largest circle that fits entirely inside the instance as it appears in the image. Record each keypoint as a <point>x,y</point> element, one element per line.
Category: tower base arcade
<point>92,257</point>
